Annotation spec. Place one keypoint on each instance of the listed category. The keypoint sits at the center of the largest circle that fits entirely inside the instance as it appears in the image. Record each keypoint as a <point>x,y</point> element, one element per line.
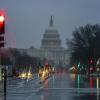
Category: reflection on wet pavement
<point>60,86</point>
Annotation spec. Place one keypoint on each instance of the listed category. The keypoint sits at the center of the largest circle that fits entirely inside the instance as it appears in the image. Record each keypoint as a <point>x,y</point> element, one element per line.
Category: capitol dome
<point>51,37</point>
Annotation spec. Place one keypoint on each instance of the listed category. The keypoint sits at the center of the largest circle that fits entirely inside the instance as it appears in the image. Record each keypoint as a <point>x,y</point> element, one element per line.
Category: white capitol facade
<point>51,48</point>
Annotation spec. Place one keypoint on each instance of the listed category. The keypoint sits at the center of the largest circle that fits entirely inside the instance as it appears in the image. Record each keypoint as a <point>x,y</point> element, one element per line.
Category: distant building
<point>51,48</point>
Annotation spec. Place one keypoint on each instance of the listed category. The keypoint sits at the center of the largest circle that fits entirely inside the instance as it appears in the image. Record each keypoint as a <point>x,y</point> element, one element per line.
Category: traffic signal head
<point>2,28</point>
<point>1,18</point>
<point>2,41</point>
<point>2,44</point>
<point>1,38</point>
<point>2,24</point>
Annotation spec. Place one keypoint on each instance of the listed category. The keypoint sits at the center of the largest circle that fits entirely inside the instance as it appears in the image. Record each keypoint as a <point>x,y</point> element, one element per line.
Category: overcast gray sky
<point>28,19</point>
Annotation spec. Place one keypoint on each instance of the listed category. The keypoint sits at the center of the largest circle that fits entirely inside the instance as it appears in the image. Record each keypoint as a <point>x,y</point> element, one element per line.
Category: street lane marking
<point>75,89</point>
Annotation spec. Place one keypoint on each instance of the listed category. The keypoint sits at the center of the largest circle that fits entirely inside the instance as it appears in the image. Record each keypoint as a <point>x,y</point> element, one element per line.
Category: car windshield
<point>49,50</point>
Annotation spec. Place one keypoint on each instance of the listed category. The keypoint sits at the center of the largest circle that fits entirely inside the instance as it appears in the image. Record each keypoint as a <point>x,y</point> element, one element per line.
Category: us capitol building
<point>51,48</point>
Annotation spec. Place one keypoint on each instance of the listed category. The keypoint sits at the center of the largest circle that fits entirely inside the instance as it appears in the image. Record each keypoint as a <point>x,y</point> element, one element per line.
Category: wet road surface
<point>60,86</point>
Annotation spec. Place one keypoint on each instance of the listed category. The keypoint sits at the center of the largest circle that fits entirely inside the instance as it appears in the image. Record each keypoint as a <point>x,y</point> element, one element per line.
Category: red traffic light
<point>2,24</point>
<point>2,29</point>
<point>2,18</point>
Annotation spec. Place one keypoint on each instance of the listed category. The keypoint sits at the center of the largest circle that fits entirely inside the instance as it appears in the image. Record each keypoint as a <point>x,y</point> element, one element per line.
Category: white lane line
<point>76,89</point>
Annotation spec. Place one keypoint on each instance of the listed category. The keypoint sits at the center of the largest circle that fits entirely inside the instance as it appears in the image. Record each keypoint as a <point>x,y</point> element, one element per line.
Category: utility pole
<point>2,42</point>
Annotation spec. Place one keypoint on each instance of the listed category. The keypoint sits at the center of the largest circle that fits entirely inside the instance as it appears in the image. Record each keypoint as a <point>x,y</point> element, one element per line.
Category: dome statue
<point>51,37</point>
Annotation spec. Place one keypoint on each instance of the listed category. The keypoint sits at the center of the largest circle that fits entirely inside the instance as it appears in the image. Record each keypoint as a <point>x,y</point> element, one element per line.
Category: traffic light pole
<point>5,80</point>
<point>5,83</point>
<point>2,32</point>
